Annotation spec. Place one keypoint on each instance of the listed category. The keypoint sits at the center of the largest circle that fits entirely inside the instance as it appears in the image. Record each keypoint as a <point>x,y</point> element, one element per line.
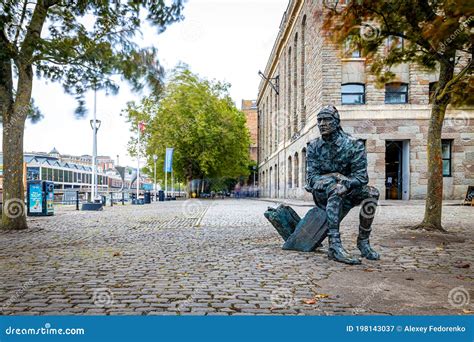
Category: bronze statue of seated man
<point>337,178</point>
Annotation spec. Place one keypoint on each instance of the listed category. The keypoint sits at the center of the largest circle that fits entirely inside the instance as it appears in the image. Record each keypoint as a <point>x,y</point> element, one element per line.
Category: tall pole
<point>138,162</point>
<point>166,177</point>
<point>94,149</point>
<point>154,174</point>
<point>172,182</point>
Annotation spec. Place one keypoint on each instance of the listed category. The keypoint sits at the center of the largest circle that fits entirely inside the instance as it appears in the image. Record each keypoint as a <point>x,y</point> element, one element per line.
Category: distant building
<point>249,107</point>
<point>104,163</point>
<point>75,172</point>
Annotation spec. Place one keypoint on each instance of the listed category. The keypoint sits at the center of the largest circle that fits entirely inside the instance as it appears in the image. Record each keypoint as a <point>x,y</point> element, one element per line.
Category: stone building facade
<point>309,71</point>
<point>249,107</point>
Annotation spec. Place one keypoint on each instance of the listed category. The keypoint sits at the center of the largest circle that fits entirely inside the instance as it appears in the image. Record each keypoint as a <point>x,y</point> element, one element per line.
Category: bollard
<point>111,199</point>
<point>77,200</point>
<point>123,198</point>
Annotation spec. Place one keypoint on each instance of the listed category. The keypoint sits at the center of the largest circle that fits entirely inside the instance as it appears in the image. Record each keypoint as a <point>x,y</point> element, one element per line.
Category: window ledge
<point>353,59</point>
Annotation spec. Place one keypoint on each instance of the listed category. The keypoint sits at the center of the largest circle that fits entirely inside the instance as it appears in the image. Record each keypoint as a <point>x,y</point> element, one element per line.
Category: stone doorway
<point>397,169</point>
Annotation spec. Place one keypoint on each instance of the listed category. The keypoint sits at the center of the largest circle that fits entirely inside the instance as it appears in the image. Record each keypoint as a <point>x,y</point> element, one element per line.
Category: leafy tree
<point>81,44</point>
<point>436,34</point>
<point>199,120</point>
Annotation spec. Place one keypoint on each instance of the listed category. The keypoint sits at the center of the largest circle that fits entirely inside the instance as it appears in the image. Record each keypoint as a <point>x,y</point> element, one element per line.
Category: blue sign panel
<point>36,198</point>
<point>169,159</point>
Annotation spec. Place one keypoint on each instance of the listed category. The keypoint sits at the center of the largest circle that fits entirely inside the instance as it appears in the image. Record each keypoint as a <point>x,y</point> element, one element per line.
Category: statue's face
<point>327,124</point>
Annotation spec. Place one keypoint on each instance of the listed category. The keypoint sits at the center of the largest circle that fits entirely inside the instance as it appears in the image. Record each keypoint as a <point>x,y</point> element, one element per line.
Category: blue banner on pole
<point>169,159</point>
<point>237,329</point>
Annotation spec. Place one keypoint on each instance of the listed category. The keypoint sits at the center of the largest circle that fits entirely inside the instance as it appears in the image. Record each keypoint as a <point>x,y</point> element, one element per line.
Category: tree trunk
<point>13,208</point>
<point>13,213</point>
<point>14,116</point>
<point>434,196</point>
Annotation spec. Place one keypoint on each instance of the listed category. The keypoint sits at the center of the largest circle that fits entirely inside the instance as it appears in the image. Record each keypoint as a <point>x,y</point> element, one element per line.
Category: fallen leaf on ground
<point>322,295</point>
<point>117,254</point>
<point>467,311</point>
<point>309,301</point>
<point>462,264</point>
<point>368,270</point>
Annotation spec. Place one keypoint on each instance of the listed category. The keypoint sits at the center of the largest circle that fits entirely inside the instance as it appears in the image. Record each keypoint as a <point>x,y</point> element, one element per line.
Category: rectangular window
<point>44,173</point>
<point>446,148</point>
<point>394,42</point>
<point>352,48</point>
<point>396,93</point>
<point>353,93</point>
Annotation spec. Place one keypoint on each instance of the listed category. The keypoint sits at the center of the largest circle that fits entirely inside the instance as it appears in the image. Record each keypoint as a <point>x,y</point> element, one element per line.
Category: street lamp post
<point>155,158</point>
<point>138,162</point>
<point>95,124</point>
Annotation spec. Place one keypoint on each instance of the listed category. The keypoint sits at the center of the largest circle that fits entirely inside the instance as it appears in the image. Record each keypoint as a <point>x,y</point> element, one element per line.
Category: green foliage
<point>433,32</point>
<point>198,118</point>
<point>84,43</point>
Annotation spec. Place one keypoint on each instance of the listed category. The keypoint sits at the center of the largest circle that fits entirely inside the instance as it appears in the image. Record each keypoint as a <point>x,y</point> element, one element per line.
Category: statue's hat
<point>331,110</point>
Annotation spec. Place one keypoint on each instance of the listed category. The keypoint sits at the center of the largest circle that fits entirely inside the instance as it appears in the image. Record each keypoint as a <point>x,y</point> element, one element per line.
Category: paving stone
<point>232,264</point>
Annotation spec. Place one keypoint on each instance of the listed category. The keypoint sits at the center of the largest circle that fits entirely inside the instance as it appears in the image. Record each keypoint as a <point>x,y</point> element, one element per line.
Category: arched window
<point>269,187</point>
<point>295,84</point>
<point>290,173</point>
<point>284,102</point>
<point>262,120</point>
<point>303,165</point>
<point>353,93</point>
<point>277,123</point>
<point>267,125</point>
<point>396,93</point>
<point>303,66</point>
<point>297,171</point>
<point>289,70</point>
<point>277,185</point>
<point>270,127</point>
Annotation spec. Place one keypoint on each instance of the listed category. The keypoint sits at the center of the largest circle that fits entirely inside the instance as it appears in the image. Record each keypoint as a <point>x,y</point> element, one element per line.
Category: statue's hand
<point>324,182</point>
<point>341,190</point>
<point>340,177</point>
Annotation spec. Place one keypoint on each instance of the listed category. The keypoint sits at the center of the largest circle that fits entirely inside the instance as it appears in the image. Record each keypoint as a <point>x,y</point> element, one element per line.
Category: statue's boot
<point>337,252</point>
<point>364,246</point>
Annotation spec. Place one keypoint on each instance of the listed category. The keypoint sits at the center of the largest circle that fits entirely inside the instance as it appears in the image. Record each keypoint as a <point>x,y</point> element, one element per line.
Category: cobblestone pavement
<point>222,257</point>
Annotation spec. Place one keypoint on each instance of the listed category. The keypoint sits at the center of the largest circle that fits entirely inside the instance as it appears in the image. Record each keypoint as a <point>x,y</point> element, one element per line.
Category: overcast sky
<point>219,39</point>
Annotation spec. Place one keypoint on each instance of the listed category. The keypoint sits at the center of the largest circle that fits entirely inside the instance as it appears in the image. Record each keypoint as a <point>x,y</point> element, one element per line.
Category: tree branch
<point>20,24</point>
<point>454,80</point>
